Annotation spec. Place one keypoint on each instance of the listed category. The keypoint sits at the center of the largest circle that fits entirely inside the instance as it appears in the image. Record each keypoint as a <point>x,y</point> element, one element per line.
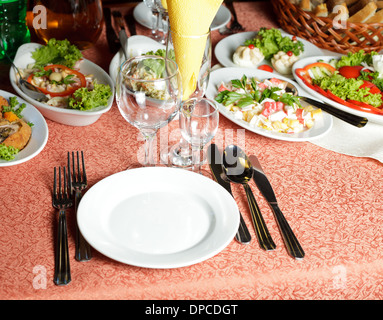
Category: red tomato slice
<point>350,71</point>
<point>373,88</point>
<point>266,67</point>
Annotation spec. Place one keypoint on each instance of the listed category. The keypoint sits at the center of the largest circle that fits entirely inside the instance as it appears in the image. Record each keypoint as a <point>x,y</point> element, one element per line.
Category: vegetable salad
<point>355,80</point>
<point>267,105</point>
<point>56,73</point>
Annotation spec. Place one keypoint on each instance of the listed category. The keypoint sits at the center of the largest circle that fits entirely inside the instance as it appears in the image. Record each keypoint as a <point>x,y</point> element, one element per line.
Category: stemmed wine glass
<point>158,32</point>
<point>148,95</point>
<point>199,119</point>
<point>195,72</point>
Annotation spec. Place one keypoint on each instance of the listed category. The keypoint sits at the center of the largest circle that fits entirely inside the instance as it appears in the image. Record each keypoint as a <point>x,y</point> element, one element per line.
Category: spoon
<point>238,169</point>
<point>340,114</point>
<point>28,88</point>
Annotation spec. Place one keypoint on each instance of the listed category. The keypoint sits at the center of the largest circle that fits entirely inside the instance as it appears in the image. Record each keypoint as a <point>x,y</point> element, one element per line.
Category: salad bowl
<point>65,116</point>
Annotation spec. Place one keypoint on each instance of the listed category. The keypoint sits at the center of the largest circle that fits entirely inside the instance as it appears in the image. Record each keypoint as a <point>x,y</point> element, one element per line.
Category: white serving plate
<point>320,128</point>
<point>158,217</point>
<point>65,116</point>
<point>304,62</point>
<point>39,136</point>
<point>225,49</point>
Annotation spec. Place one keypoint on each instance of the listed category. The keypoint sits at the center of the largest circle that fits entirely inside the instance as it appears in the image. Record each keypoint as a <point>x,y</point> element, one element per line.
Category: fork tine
<point>83,168</point>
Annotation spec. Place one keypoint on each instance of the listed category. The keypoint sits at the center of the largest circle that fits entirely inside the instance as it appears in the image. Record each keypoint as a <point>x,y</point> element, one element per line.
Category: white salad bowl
<point>65,116</point>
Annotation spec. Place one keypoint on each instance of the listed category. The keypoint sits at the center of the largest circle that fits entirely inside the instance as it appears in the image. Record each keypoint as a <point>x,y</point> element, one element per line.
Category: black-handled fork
<point>78,183</point>
<point>61,200</point>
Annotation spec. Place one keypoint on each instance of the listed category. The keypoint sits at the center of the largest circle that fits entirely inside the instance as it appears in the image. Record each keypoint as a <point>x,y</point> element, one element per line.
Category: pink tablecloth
<point>332,201</point>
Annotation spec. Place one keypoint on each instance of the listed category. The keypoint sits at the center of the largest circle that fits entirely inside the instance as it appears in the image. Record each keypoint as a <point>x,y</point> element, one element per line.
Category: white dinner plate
<point>304,62</point>
<point>158,217</point>
<point>143,15</point>
<point>320,128</point>
<point>137,45</point>
<point>39,136</point>
<point>225,49</point>
<point>66,116</point>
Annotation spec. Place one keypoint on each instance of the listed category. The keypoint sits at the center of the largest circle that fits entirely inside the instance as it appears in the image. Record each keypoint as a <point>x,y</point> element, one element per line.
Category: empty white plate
<point>158,217</point>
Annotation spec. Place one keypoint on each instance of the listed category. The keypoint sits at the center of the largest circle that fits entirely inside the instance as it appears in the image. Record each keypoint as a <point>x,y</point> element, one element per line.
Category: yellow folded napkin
<point>190,18</point>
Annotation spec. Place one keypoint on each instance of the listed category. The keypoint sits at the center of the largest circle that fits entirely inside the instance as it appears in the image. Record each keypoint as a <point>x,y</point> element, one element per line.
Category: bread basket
<point>326,34</point>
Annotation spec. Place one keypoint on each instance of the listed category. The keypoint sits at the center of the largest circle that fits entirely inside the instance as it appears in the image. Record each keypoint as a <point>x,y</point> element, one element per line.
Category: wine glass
<point>79,21</point>
<point>157,24</point>
<point>148,95</point>
<point>194,62</point>
<point>199,119</point>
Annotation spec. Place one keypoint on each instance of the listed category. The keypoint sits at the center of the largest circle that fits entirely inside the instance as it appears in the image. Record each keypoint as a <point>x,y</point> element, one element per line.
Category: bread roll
<point>379,4</point>
<point>359,5</point>
<point>321,10</point>
<point>340,12</point>
<point>305,5</point>
<point>376,18</point>
<point>363,15</point>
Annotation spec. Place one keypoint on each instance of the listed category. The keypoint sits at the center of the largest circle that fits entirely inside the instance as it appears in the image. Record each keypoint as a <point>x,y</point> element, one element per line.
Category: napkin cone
<point>190,18</point>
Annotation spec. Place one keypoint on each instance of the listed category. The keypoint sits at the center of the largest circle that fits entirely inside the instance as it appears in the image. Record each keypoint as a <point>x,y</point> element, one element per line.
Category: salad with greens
<point>56,72</point>
<point>354,80</point>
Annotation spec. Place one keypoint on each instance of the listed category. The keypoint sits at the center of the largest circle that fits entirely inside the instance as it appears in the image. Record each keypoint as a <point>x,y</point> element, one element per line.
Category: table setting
<point>171,156</point>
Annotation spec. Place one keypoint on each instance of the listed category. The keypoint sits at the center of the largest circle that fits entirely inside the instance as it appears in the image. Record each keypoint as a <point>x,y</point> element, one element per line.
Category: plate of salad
<point>270,50</point>
<point>257,101</point>
<point>37,137</point>
<point>352,83</point>
<point>79,91</point>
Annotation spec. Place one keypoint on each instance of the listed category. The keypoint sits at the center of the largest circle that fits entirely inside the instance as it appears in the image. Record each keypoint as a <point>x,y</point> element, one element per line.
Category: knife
<point>121,34</point>
<point>131,23</point>
<point>345,116</point>
<point>215,162</point>
<point>264,186</point>
<point>111,36</point>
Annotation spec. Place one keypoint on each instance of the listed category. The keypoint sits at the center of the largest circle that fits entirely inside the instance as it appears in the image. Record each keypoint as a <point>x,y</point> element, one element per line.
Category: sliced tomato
<point>266,67</point>
<point>69,91</point>
<point>305,77</point>
<point>350,71</point>
<point>362,106</point>
<point>320,90</point>
<point>373,88</point>
<point>320,65</point>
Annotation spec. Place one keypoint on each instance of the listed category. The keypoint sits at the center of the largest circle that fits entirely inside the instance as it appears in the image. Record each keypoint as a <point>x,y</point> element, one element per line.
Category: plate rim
<point>263,132</point>
<point>299,64</point>
<point>44,129</point>
<point>161,172</point>
<point>223,8</point>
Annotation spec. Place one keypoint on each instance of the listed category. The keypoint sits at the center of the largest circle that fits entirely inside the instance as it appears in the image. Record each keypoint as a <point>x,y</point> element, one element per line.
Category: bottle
<point>13,27</point>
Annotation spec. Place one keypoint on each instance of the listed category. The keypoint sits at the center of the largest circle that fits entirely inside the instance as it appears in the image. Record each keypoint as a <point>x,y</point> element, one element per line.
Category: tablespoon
<point>28,88</point>
<point>238,169</point>
<point>345,116</point>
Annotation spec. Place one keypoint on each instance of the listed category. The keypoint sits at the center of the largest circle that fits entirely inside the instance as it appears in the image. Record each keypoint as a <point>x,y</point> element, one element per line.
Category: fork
<point>61,200</point>
<point>78,182</point>
<point>235,25</point>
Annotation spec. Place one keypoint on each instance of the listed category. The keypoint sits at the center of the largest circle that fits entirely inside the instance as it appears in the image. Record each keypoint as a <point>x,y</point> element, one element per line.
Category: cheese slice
<point>190,18</point>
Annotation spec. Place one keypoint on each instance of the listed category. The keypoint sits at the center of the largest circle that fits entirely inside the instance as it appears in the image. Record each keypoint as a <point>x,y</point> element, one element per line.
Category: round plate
<point>158,217</point>
<point>143,15</point>
<point>39,136</point>
<point>304,62</point>
<point>65,116</point>
<point>320,128</point>
<point>225,49</point>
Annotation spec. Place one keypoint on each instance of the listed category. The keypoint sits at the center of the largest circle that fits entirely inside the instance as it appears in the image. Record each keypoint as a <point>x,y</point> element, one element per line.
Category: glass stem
<point>149,154</point>
<point>196,166</point>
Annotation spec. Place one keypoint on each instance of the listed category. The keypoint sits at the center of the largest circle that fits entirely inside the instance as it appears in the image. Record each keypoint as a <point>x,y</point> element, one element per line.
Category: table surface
<point>332,201</point>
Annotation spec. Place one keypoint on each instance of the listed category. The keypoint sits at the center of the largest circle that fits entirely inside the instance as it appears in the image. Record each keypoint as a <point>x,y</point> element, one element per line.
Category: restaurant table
<point>332,202</point>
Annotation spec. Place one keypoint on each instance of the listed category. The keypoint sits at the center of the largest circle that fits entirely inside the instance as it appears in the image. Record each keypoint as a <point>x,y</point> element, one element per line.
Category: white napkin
<point>350,140</point>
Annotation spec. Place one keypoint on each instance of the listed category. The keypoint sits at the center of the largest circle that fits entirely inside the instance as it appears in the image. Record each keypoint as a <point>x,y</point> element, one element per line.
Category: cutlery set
<point>117,39</point>
<point>68,184</point>
<point>234,166</point>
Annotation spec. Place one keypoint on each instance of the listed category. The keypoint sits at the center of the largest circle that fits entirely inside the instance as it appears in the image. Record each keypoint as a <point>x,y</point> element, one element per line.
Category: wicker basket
<point>322,33</point>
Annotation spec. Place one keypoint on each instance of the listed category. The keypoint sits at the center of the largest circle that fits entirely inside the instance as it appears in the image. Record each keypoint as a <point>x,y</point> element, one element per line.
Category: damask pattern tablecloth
<point>332,201</point>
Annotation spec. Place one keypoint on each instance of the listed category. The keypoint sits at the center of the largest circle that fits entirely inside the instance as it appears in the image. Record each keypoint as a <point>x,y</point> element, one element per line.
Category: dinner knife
<point>111,36</point>
<point>121,34</point>
<point>345,116</point>
<point>264,186</point>
<point>131,23</point>
<point>215,162</point>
